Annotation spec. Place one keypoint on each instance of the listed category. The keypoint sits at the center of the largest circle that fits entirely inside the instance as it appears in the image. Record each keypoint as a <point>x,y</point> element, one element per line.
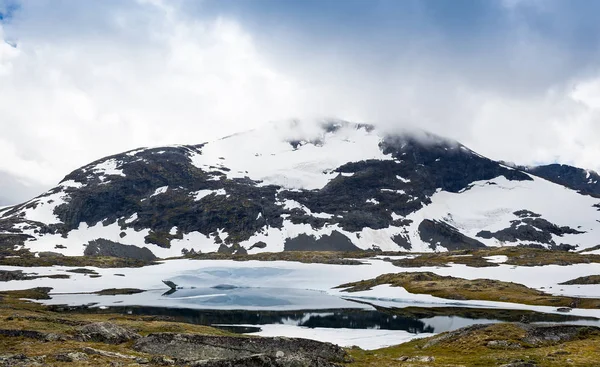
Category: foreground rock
<point>21,360</point>
<point>262,360</point>
<point>504,344</point>
<point>9,275</point>
<point>232,350</point>
<point>103,247</point>
<point>106,332</point>
<point>520,336</point>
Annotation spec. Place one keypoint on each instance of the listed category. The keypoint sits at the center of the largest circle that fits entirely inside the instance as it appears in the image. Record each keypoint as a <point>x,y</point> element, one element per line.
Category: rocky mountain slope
<point>339,186</point>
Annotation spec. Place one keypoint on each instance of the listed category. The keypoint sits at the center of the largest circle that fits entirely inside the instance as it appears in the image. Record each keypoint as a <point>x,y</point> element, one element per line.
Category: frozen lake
<point>319,311</point>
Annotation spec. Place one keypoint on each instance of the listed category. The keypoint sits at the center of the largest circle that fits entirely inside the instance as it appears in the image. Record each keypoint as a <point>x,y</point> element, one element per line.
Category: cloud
<point>72,98</point>
<point>81,81</point>
<point>13,190</point>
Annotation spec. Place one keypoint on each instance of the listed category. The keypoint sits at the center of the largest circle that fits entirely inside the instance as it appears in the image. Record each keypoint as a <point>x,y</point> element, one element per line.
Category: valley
<point>370,248</point>
<point>267,297</point>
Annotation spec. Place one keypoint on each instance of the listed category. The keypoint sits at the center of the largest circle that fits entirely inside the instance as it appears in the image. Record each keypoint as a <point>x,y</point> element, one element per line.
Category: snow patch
<point>496,259</point>
<point>160,190</point>
<point>273,160</point>
<point>108,167</point>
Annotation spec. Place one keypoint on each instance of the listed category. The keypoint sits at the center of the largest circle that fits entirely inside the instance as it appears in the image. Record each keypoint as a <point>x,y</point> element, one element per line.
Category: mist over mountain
<point>333,185</point>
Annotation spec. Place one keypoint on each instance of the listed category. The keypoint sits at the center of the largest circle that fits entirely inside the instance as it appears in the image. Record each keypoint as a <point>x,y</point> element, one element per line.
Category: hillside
<point>339,186</point>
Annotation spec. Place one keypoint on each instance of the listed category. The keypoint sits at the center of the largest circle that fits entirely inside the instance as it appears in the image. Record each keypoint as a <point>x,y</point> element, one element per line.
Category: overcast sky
<point>517,80</point>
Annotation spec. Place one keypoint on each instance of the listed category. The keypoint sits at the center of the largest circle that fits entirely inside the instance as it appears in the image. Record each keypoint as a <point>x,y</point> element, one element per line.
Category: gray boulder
<point>192,347</point>
<point>106,332</point>
<point>103,247</point>
<point>261,360</point>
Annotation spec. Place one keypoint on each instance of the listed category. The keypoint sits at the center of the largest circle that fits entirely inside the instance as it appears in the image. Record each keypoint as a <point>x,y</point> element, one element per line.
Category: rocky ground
<point>33,335</point>
<point>506,345</point>
<point>449,287</point>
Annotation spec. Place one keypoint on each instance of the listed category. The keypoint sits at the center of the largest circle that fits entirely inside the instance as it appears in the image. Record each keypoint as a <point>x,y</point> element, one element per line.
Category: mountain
<point>584,181</point>
<point>336,186</point>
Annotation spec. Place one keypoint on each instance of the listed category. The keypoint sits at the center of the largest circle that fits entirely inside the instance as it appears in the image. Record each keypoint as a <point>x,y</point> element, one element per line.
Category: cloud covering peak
<point>514,80</point>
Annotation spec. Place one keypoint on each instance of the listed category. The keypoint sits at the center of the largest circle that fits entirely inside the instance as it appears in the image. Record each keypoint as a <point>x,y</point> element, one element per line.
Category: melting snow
<point>496,259</point>
<point>160,190</point>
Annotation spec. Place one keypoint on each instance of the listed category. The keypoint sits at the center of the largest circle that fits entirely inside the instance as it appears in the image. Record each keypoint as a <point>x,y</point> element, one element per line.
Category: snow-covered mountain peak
<point>331,185</point>
<point>293,156</point>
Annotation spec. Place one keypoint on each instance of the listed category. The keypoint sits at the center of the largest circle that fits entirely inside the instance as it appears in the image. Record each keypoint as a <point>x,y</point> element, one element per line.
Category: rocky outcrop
<point>438,233</point>
<point>542,335</point>
<point>33,334</point>
<point>585,181</point>
<point>502,336</point>
<point>192,347</point>
<point>589,279</point>
<point>106,332</point>
<point>21,360</point>
<point>8,275</point>
<point>146,200</point>
<point>333,242</point>
<point>103,247</point>
<point>261,360</point>
<point>71,357</point>
<point>530,227</point>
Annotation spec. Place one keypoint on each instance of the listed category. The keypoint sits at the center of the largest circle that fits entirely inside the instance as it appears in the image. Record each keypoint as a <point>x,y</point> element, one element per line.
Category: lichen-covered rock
<point>262,360</point>
<point>9,275</point>
<point>106,332</point>
<point>103,247</point>
<point>540,335</point>
<point>21,360</point>
<point>194,347</point>
<point>71,357</point>
<point>33,334</point>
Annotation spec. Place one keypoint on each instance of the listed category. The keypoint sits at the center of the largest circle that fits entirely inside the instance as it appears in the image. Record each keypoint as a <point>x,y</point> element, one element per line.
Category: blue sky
<point>516,80</point>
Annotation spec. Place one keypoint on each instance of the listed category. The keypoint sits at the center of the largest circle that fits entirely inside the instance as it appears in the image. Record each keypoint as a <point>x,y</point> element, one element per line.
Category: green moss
<point>472,347</point>
<point>119,291</point>
<point>477,289</point>
<point>591,279</point>
<point>76,261</point>
<point>317,257</point>
<point>521,256</point>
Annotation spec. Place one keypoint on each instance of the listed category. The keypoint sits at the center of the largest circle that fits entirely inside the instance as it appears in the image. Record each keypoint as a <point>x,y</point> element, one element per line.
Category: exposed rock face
<point>442,234</point>
<point>71,357</point>
<point>265,361</point>
<point>348,187</point>
<point>590,279</point>
<point>534,335</point>
<point>106,332</point>
<point>102,247</point>
<point>20,360</point>
<point>8,275</point>
<point>540,335</point>
<point>193,347</point>
<point>530,227</point>
<point>585,181</point>
<point>33,334</point>
<point>334,242</point>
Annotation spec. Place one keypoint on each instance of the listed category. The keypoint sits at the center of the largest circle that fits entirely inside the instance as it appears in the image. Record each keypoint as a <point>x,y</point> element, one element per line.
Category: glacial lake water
<point>301,313</point>
<point>301,300</point>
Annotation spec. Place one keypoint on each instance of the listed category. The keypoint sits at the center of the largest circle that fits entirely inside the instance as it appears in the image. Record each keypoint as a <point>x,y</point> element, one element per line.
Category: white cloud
<point>65,102</point>
<point>147,73</point>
